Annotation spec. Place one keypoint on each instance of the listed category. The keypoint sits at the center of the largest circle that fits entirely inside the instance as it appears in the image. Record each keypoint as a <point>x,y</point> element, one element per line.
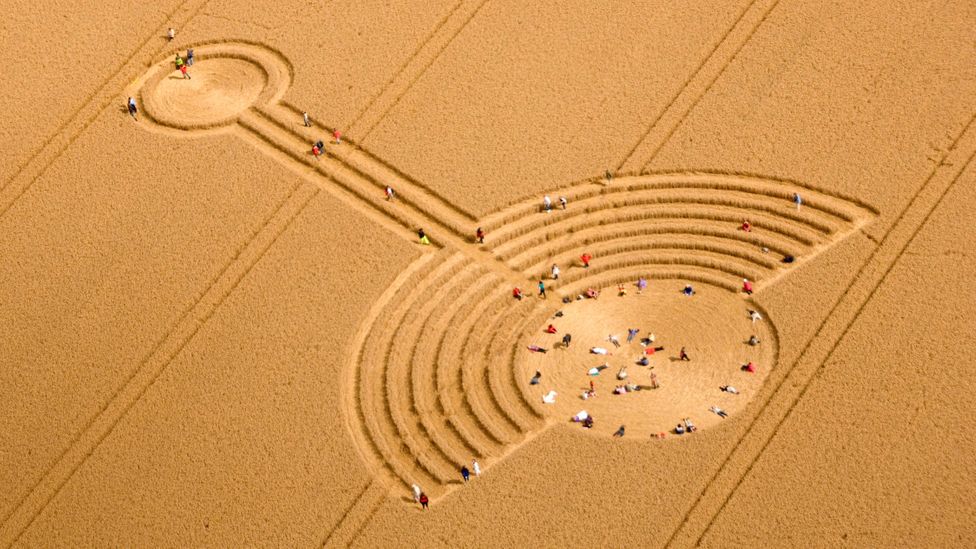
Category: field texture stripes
<point>697,85</point>
<point>820,348</point>
<point>100,99</point>
<point>145,374</point>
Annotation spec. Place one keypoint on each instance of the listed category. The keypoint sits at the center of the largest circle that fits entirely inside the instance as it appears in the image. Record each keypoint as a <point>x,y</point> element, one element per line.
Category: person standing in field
<point>308,123</point>
<point>547,203</point>
<point>517,293</point>
<point>562,202</point>
<point>566,340</point>
<point>337,135</point>
<point>189,57</point>
<point>178,61</point>
<point>465,473</point>
<point>186,75</point>
<point>682,355</point>
<point>480,235</point>
<point>746,286</point>
<point>555,271</point>
<point>797,200</point>
<point>416,493</point>
<point>542,289</point>
<point>424,500</point>
<point>133,111</point>
<point>423,237</point>
<point>585,258</point>
<point>390,195</point>
<point>476,468</point>
<point>171,34</point>
<point>316,150</point>
<point>619,433</point>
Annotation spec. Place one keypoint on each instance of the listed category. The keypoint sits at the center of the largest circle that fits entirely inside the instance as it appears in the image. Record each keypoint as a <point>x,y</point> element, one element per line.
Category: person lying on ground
<point>689,426</point>
<point>595,371</point>
<point>599,351</point>
<point>614,339</point>
<point>749,367</point>
<point>535,379</point>
<point>753,341</point>
<point>729,389</point>
<point>622,373</point>
<point>551,329</point>
<point>537,349</point>
<point>719,412</point>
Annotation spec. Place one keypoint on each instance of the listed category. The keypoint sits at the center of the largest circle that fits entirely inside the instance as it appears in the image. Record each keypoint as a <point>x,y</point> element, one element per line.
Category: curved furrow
<point>424,371</point>
<point>761,264</point>
<point>745,206</point>
<point>474,376</point>
<point>722,266</point>
<point>660,214</point>
<point>558,244</point>
<point>399,397</point>
<point>377,419</point>
<point>450,392</point>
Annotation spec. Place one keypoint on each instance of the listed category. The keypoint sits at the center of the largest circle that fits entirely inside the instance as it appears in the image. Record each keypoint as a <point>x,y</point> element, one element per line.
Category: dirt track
<point>212,337</point>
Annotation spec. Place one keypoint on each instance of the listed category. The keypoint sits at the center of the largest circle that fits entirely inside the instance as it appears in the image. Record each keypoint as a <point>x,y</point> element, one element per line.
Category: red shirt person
<point>585,258</point>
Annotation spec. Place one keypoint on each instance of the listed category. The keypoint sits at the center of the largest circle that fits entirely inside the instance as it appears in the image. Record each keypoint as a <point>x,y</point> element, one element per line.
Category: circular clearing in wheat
<point>713,326</point>
<point>218,90</point>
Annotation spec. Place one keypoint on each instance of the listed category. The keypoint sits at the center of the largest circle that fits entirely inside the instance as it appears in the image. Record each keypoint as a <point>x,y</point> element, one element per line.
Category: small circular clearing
<point>714,327</point>
<point>218,90</point>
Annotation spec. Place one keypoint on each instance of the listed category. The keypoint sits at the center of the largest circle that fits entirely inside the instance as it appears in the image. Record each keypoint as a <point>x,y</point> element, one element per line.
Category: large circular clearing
<point>714,327</point>
<point>218,90</point>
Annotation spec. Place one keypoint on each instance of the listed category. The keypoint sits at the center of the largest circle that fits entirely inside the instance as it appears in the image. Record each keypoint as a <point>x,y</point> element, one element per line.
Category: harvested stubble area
<point>209,336</point>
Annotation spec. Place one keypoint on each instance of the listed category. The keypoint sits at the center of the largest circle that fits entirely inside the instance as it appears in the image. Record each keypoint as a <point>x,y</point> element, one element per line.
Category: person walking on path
<point>337,135</point>
<point>682,355</point>
<point>416,493</point>
<point>546,203</point>
<point>476,468</point>
<point>746,286</point>
<point>465,473</point>
<point>316,150</point>
<point>308,123</point>
<point>133,111</point>
<point>542,289</point>
<point>585,258</point>
<point>171,34</point>
<point>480,235</point>
<point>641,285</point>
<point>555,271</point>
<point>390,195</point>
<point>423,237</point>
<point>631,334</point>
<point>797,200</point>
<point>654,383</point>
<point>424,500</point>
<point>562,202</point>
<point>189,57</point>
<point>186,75</point>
